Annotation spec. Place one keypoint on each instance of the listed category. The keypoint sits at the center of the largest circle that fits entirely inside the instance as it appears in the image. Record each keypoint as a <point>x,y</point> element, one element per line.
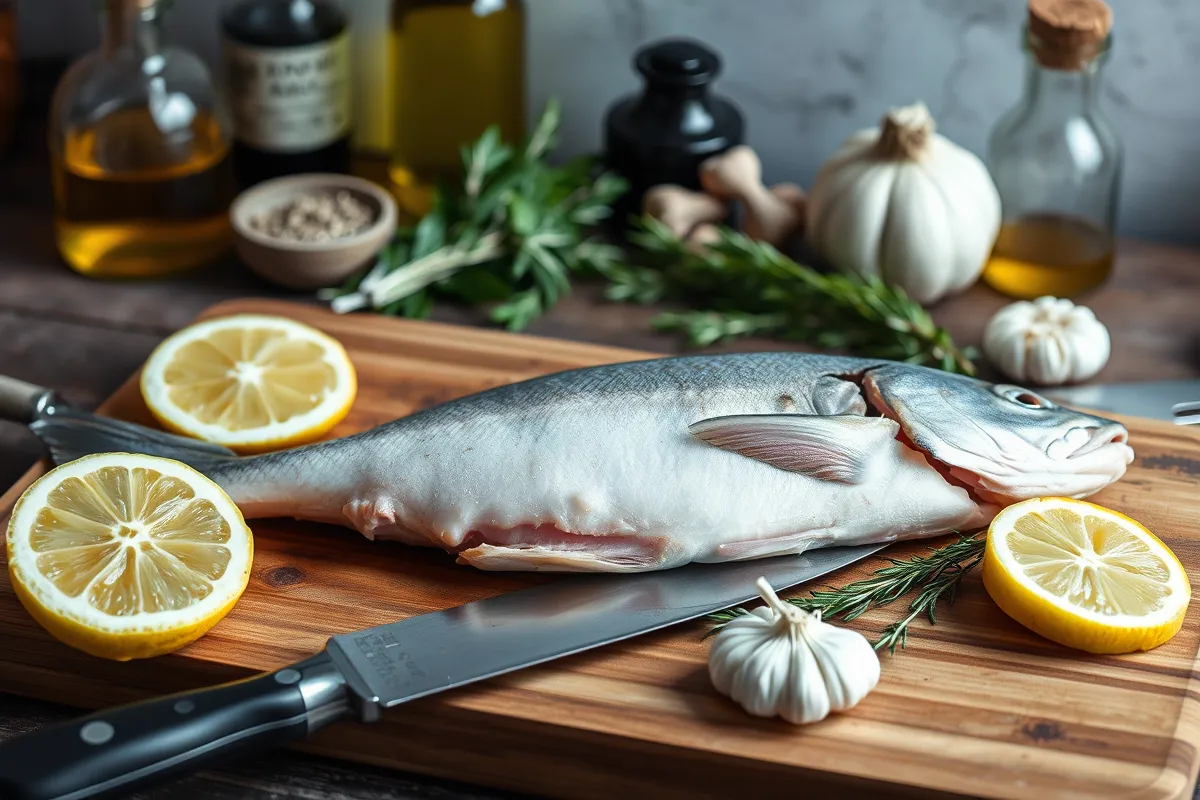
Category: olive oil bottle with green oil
<point>458,66</point>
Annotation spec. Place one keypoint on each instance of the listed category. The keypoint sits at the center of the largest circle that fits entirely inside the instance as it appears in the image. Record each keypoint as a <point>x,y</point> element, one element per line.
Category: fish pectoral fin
<point>830,448</point>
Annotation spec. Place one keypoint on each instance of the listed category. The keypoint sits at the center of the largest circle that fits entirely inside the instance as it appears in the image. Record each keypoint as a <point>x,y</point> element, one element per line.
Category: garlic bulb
<point>902,203</point>
<point>1050,341</point>
<point>784,661</point>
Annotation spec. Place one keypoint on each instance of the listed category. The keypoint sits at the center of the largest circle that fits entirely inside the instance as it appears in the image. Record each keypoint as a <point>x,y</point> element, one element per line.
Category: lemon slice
<point>1084,576</point>
<point>250,382</point>
<point>127,556</point>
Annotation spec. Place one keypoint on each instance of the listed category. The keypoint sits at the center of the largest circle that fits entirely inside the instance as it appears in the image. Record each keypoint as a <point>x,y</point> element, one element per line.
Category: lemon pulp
<point>1090,561</point>
<point>152,543</point>
<point>248,378</point>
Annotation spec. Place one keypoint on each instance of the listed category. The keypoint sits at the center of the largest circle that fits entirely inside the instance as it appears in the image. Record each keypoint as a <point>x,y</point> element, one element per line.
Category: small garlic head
<point>784,661</point>
<point>1049,341</point>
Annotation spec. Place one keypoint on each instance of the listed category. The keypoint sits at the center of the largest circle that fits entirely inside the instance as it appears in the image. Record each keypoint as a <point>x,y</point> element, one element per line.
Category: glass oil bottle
<point>1056,160</point>
<point>139,153</point>
<point>457,67</point>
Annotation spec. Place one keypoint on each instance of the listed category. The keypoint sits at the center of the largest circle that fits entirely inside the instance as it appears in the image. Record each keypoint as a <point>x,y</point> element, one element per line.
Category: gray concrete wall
<point>809,72</point>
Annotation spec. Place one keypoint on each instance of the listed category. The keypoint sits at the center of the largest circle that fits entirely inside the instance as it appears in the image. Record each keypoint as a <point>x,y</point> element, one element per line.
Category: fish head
<point>1003,442</point>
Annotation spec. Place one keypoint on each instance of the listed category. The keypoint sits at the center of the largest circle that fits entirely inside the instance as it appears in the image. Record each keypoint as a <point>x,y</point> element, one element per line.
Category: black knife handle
<point>118,750</point>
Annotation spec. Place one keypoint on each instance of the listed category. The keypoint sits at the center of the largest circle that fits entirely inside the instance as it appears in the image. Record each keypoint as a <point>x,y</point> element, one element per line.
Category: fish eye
<point>1024,397</point>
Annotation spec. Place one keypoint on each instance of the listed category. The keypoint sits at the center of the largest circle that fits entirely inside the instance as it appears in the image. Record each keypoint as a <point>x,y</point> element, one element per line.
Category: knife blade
<point>360,674</point>
<point>1152,399</point>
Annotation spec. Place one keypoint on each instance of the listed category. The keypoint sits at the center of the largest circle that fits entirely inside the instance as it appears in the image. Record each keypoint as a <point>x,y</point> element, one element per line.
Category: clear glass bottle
<point>8,72</point>
<point>458,66</point>
<point>139,149</point>
<point>1056,160</point>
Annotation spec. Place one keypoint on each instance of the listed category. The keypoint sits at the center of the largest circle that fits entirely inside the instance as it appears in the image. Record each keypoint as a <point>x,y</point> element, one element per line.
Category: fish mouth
<point>1098,436</point>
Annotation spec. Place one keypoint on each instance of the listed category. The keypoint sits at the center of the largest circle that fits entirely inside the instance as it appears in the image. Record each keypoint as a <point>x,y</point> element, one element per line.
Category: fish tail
<point>283,483</point>
<point>70,434</point>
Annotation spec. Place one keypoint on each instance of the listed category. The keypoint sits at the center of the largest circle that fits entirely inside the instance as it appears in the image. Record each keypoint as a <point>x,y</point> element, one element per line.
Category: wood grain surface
<point>974,706</point>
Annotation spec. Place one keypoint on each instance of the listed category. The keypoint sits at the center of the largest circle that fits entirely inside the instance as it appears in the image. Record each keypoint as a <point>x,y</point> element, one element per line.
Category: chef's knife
<point>1153,399</point>
<point>359,674</point>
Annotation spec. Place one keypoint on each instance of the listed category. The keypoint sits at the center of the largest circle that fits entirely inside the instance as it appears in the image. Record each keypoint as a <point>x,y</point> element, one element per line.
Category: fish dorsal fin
<point>830,448</point>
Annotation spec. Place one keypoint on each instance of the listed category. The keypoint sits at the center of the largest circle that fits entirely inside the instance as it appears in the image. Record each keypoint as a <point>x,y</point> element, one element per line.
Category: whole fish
<point>653,464</point>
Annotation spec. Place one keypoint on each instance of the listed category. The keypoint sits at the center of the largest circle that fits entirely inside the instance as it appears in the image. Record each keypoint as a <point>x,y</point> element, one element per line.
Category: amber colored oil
<point>1049,254</point>
<point>453,74</point>
<point>133,201</point>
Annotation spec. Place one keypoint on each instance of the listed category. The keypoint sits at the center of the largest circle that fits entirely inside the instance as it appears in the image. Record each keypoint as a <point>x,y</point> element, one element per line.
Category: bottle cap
<point>677,62</point>
<point>1068,34</point>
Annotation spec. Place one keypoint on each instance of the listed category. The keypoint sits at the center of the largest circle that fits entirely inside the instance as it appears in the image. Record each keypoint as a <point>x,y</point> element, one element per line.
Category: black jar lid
<point>678,62</point>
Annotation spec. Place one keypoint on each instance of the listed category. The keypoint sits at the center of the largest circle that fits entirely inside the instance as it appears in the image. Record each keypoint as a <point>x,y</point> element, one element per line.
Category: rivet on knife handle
<point>21,401</point>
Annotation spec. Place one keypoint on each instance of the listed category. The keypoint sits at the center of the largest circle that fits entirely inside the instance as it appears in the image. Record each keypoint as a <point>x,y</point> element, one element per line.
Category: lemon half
<point>127,556</point>
<point>250,382</point>
<point>1084,576</point>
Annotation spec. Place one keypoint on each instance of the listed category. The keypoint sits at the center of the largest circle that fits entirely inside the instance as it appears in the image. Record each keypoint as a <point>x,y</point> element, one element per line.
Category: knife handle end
<point>120,749</point>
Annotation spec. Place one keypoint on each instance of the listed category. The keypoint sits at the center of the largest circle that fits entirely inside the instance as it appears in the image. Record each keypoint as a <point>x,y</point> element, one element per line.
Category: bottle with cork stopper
<point>1056,159</point>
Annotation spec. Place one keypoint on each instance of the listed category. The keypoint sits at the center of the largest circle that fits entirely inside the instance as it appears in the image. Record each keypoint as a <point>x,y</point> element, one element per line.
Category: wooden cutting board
<point>974,706</point>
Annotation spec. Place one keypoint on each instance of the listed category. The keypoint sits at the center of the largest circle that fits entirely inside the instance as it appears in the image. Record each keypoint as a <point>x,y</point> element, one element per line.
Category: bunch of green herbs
<point>509,236</point>
<point>737,287</point>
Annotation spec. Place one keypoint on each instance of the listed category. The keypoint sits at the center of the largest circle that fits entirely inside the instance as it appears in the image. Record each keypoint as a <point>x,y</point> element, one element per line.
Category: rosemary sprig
<point>937,576</point>
<point>509,235</point>
<point>739,287</point>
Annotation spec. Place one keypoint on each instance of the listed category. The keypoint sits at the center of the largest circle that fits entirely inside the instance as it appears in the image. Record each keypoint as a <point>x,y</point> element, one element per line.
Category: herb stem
<point>937,575</point>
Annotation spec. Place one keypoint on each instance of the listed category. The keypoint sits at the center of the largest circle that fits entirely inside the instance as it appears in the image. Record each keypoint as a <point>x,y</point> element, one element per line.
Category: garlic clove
<point>806,700</point>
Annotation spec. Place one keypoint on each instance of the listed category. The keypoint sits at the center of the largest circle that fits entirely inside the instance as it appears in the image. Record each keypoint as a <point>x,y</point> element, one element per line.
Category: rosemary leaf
<point>935,577</point>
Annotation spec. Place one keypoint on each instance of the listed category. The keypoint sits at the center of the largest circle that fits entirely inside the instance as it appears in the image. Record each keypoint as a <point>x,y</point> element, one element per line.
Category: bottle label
<point>290,99</point>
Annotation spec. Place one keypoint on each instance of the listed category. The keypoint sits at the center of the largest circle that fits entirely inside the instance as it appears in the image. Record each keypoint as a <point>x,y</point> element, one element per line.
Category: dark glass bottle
<point>663,134</point>
<point>288,70</point>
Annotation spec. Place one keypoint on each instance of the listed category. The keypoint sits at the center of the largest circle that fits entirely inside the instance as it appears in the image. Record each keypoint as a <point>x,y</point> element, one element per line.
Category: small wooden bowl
<point>309,265</point>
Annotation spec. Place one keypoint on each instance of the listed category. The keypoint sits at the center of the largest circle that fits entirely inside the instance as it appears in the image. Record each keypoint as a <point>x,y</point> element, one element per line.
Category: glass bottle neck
<point>1063,92</point>
<point>132,25</point>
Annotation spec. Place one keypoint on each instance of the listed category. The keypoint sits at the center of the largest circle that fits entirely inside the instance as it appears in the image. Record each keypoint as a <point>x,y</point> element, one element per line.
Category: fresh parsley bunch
<point>510,235</point>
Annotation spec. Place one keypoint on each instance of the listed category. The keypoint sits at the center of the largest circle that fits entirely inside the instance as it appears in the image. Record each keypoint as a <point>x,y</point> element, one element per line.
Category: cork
<point>1068,34</point>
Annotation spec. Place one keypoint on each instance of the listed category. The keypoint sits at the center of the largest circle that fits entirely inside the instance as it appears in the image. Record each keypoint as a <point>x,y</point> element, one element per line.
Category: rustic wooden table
<point>85,337</point>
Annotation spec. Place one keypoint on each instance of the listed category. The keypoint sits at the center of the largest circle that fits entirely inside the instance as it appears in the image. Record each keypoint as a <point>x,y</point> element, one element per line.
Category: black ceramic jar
<point>663,134</point>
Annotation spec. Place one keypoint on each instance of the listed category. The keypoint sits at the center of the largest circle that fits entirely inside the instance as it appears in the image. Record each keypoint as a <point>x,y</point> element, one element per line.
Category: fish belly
<point>584,491</point>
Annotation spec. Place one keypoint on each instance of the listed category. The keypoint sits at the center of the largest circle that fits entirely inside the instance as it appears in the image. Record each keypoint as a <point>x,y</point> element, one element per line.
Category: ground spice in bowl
<point>315,217</point>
